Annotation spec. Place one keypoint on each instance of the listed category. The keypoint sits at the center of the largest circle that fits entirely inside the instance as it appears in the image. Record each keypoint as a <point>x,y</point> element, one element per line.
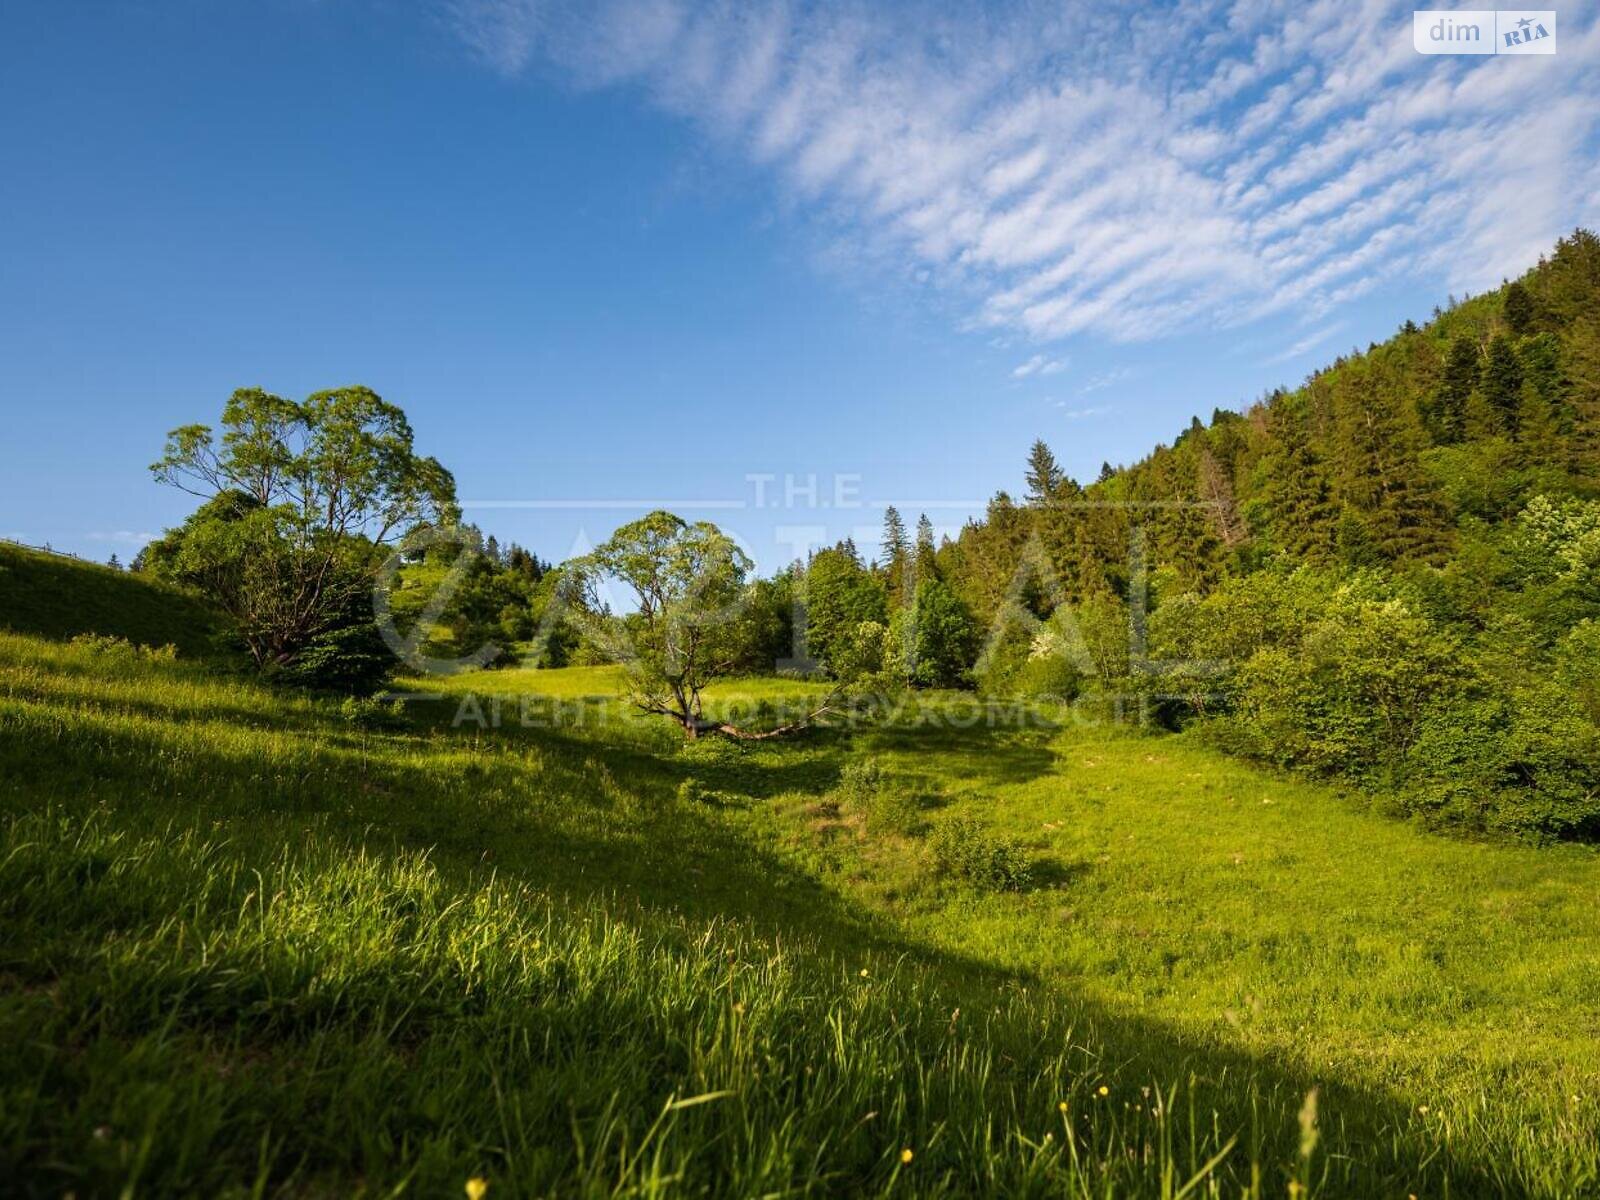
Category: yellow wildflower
<point>476,1187</point>
<point>906,1155</point>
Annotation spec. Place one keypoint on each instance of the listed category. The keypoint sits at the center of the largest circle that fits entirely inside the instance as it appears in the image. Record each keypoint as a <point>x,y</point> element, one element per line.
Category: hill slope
<point>256,942</point>
<point>56,597</point>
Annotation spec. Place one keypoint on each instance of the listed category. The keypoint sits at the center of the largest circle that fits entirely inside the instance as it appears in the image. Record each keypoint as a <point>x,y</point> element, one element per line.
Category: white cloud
<point>1315,338</point>
<point>126,536</point>
<point>1038,365</point>
<point>1106,379</point>
<point>1111,168</point>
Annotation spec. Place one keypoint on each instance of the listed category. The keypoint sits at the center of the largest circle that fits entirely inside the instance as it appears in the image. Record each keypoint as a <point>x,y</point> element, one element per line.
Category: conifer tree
<point>1044,475</point>
<point>1448,413</point>
<point>1378,476</point>
<point>1216,490</point>
<point>1502,379</point>
<point>1293,502</point>
<point>1519,309</point>
<point>1583,395</point>
<point>925,550</point>
<point>1538,428</point>
<point>896,551</point>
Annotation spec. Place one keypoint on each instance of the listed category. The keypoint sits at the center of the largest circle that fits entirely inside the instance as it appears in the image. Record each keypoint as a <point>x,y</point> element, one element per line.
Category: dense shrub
<point>964,849</point>
<point>1035,664</point>
<point>886,807</point>
<point>1384,680</point>
<point>113,647</point>
<point>1351,696</point>
<point>351,658</point>
<point>1526,764</point>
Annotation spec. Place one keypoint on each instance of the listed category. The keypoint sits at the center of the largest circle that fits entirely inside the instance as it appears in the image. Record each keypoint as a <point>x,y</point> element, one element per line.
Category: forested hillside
<point>1391,572</point>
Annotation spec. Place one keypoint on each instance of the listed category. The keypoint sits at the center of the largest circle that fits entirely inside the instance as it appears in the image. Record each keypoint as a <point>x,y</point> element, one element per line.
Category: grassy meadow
<point>258,944</point>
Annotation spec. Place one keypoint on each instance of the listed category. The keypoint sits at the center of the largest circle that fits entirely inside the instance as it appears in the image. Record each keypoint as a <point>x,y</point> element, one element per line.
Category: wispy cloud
<point>1114,168</point>
<point>122,536</point>
<point>1079,414</point>
<point>1038,365</point>
<point>1308,342</point>
<point>1106,379</point>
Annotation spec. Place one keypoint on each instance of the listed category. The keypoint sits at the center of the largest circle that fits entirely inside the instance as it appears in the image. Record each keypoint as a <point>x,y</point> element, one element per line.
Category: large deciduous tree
<point>689,595</point>
<point>301,497</point>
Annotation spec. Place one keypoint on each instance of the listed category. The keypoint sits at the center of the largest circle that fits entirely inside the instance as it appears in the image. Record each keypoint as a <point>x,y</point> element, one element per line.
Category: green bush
<point>1527,764</point>
<point>862,786</point>
<point>1351,697</point>
<point>1033,665</point>
<point>350,658</point>
<point>963,849</point>
<point>109,646</point>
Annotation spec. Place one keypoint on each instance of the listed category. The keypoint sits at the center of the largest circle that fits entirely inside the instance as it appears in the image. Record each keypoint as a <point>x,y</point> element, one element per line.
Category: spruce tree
<point>896,550</point>
<point>1518,309</point>
<point>1502,379</point>
<point>1538,428</point>
<point>1044,475</point>
<point>1448,412</point>
<point>925,549</point>
<point>1378,474</point>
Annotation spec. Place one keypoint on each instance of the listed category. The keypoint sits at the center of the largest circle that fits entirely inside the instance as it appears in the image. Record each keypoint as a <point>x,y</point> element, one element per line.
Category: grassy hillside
<point>255,944</point>
<point>56,597</point>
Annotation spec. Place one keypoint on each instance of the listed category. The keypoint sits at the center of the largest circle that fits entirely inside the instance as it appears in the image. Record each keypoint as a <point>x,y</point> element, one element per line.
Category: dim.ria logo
<point>1484,31</point>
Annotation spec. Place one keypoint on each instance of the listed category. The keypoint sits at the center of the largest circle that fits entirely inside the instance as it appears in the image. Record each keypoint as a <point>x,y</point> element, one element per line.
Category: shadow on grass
<point>664,859</point>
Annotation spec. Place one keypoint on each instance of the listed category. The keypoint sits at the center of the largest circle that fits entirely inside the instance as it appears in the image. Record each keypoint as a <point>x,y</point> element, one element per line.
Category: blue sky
<point>639,251</point>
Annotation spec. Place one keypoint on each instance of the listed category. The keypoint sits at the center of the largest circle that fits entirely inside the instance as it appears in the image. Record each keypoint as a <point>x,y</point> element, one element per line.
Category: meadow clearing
<point>256,943</point>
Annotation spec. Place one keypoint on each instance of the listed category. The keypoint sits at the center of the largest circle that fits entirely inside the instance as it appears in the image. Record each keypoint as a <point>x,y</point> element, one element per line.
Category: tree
<point>1377,472</point>
<point>688,589</point>
<point>936,637</point>
<point>1216,490</point>
<point>1293,496</point>
<point>926,568</point>
<point>1502,379</point>
<point>1448,412</point>
<point>896,551</point>
<point>1519,309</point>
<point>840,594</point>
<point>300,499</point>
<point>1044,475</point>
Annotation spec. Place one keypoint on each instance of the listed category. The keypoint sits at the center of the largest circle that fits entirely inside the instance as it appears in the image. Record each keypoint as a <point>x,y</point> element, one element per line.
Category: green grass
<point>56,597</point>
<point>252,944</point>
